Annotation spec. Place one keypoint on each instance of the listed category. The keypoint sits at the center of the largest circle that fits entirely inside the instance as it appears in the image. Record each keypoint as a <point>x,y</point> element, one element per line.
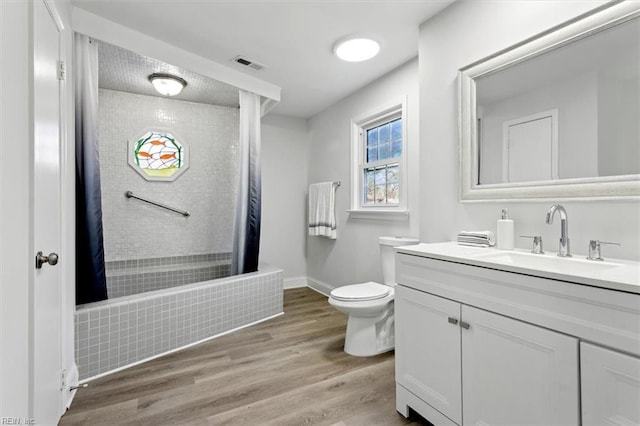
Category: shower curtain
<point>246,241</point>
<point>90,275</point>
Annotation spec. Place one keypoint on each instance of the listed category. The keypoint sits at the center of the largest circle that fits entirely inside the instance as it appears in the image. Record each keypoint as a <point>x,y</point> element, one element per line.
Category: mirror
<point>558,116</point>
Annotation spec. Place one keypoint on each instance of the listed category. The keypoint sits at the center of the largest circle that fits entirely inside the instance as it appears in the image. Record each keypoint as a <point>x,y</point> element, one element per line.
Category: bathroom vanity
<point>485,336</point>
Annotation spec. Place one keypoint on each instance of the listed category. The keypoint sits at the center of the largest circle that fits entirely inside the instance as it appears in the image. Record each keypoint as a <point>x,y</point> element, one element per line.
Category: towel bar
<point>129,194</point>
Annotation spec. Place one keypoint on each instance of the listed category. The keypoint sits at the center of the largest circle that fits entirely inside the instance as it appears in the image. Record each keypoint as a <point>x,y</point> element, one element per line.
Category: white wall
<point>618,126</point>
<point>355,256</point>
<point>285,162</point>
<point>207,190</point>
<point>577,103</point>
<point>460,35</point>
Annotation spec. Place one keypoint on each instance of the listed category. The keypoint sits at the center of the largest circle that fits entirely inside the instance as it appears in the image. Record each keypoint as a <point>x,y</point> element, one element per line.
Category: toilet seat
<point>361,292</point>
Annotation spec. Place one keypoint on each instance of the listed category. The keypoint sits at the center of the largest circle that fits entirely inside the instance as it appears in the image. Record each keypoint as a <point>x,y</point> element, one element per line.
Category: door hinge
<point>61,70</point>
<point>63,379</point>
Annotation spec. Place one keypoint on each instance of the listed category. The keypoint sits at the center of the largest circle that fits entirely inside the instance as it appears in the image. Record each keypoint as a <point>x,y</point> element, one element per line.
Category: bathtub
<point>114,334</point>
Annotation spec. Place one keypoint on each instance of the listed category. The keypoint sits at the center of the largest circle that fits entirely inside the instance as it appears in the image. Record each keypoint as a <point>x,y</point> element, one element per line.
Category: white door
<point>610,387</point>
<point>428,349</point>
<point>516,373</point>
<point>530,148</point>
<point>47,293</point>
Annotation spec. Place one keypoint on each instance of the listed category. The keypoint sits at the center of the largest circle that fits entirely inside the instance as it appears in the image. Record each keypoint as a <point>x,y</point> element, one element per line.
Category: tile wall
<point>207,190</point>
<point>127,277</point>
<point>115,333</point>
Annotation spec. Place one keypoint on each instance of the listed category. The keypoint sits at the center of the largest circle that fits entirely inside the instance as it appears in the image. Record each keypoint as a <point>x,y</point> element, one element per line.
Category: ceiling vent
<point>242,61</point>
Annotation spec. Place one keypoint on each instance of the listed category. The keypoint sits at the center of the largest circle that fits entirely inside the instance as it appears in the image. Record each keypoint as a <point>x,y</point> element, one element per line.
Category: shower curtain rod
<point>130,194</point>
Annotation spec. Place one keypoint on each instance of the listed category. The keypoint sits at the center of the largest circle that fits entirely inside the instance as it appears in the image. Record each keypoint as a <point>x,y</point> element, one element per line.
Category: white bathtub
<point>118,333</point>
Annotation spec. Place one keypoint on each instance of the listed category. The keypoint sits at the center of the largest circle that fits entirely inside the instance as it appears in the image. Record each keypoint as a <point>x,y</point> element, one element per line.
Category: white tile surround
<point>112,334</point>
<point>135,230</point>
<point>134,276</point>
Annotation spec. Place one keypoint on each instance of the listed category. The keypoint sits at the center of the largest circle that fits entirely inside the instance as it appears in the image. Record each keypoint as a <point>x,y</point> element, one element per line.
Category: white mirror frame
<point>625,187</point>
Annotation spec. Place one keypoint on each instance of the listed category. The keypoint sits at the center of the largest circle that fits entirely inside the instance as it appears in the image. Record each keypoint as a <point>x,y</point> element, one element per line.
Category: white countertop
<point>613,274</point>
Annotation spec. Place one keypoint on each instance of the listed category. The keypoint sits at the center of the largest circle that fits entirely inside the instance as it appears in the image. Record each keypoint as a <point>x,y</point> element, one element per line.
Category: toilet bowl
<point>369,305</point>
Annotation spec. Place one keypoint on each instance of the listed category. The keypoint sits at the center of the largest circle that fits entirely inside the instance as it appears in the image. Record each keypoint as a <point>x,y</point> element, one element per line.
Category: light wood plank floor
<point>290,370</point>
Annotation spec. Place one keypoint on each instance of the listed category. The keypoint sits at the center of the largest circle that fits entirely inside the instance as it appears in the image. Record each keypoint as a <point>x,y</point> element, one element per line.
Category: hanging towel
<point>322,212</point>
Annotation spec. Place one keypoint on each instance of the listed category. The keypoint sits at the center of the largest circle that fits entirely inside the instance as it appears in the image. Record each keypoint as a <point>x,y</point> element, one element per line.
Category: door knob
<point>41,259</point>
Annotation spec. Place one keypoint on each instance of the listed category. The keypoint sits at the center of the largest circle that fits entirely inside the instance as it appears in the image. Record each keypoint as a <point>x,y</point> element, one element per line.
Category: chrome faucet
<point>563,250</point>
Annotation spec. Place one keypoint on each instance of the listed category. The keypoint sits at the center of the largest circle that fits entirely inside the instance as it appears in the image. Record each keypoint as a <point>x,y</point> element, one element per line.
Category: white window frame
<point>359,125</point>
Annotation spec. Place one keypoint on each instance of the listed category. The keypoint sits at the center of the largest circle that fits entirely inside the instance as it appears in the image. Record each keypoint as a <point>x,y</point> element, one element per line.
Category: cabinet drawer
<point>607,317</point>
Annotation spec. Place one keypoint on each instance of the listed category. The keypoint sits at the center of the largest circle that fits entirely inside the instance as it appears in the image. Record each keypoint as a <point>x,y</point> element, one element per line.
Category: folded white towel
<point>322,215</point>
<point>477,238</point>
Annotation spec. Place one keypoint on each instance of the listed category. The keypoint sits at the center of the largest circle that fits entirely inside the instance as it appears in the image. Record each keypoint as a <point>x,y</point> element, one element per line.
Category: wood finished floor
<point>290,370</point>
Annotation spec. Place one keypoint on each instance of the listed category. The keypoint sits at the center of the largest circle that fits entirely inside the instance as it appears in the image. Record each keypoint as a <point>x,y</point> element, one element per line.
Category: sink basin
<point>548,262</point>
<point>614,274</point>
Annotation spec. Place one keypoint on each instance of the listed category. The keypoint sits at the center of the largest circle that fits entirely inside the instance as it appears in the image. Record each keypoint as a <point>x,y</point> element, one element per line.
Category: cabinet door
<point>610,387</point>
<point>516,373</point>
<point>428,349</point>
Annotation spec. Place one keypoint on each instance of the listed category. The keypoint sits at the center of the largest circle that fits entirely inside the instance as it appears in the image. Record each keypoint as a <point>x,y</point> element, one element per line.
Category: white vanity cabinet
<point>517,373</point>
<point>428,342</point>
<point>512,370</point>
<point>610,387</point>
<point>483,346</point>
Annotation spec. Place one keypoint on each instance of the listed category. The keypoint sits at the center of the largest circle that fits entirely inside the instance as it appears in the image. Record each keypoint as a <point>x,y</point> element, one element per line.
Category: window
<point>383,147</point>
<point>378,163</point>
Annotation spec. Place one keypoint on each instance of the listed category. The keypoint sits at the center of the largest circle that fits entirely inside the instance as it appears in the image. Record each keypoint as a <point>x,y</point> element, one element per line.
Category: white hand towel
<point>477,238</point>
<point>322,215</point>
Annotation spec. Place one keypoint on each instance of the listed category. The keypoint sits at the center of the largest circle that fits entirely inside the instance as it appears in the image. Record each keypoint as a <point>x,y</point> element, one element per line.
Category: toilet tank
<point>387,255</point>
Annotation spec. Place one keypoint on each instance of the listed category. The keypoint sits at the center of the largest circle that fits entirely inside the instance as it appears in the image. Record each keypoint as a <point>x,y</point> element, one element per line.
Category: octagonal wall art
<point>158,155</point>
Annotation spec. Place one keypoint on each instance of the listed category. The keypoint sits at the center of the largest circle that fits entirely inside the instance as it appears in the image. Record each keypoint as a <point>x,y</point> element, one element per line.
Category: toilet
<point>370,327</point>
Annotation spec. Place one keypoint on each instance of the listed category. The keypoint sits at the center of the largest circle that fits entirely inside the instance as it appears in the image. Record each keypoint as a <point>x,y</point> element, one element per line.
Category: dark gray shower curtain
<point>91,283</point>
<point>246,241</point>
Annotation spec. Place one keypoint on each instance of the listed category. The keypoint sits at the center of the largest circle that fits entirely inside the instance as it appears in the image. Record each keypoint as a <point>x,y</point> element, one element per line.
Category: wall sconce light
<point>167,84</point>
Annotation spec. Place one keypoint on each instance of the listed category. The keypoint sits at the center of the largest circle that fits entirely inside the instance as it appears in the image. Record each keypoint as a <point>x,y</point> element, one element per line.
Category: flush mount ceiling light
<point>167,84</point>
<point>356,49</point>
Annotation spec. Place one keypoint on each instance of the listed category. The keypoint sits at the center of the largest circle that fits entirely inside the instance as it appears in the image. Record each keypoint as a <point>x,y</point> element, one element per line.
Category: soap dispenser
<point>504,235</point>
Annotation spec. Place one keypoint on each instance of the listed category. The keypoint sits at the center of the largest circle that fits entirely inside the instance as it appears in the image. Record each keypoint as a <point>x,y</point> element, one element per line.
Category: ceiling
<point>123,70</point>
<point>293,38</point>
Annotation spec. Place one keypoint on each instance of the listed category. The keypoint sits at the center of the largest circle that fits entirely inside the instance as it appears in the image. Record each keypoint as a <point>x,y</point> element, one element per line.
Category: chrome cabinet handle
<point>41,259</point>
<point>454,321</point>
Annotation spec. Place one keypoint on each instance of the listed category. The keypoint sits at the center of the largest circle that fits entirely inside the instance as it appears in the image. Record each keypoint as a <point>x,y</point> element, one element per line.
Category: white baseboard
<point>294,282</point>
<point>304,281</point>
<point>319,286</point>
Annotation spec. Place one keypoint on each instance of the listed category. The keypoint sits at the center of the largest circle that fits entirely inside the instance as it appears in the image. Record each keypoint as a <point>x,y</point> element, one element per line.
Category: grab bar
<point>130,194</point>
